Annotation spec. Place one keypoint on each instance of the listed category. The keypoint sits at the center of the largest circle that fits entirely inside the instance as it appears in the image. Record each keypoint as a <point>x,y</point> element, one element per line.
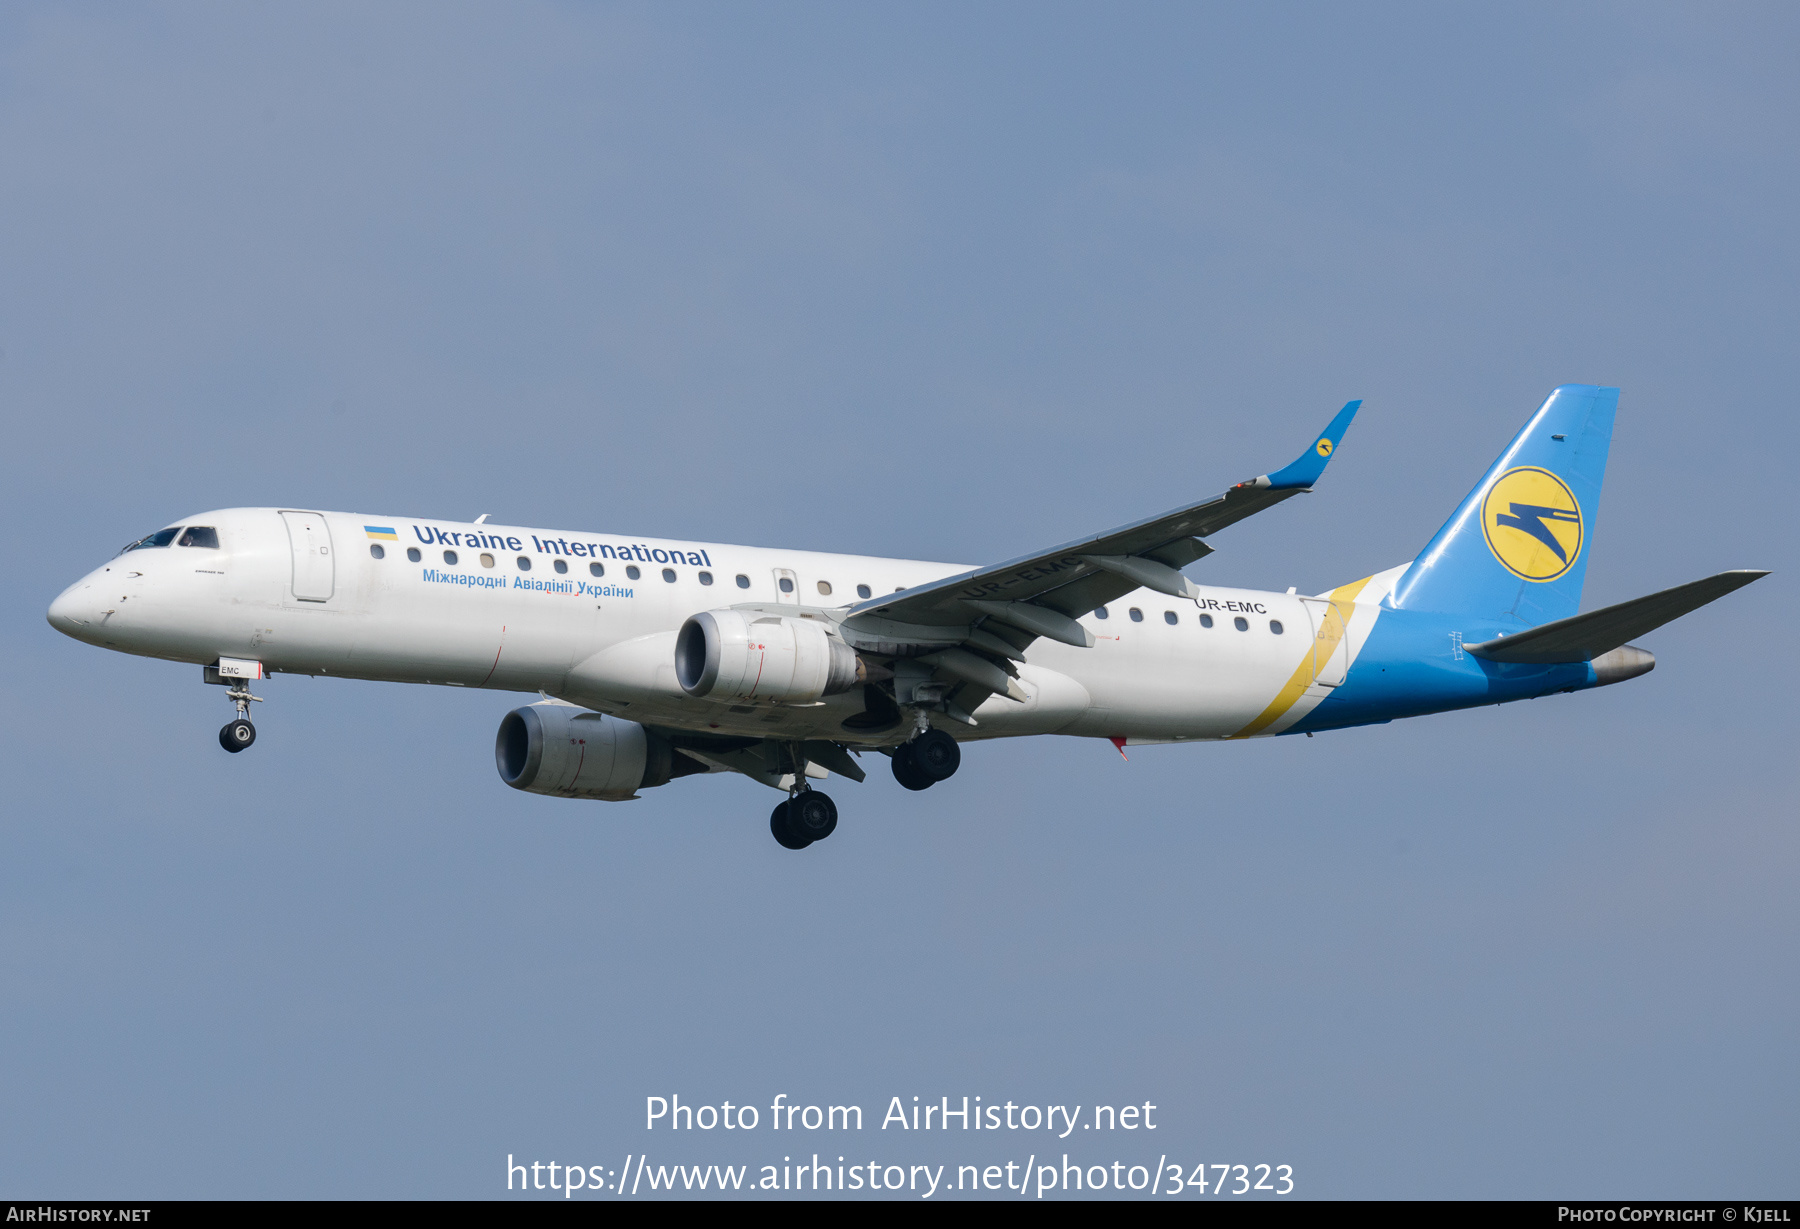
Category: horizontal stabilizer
<point>1585,637</point>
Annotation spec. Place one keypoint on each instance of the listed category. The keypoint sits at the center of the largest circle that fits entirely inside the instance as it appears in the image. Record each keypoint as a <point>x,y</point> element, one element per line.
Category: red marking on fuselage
<point>497,652</point>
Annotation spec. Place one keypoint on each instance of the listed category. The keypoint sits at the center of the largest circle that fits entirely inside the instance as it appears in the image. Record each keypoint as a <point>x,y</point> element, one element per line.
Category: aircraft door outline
<point>1331,641</point>
<point>315,571</point>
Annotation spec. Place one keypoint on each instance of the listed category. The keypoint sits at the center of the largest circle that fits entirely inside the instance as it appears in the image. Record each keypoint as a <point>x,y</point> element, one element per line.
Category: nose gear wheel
<point>237,735</point>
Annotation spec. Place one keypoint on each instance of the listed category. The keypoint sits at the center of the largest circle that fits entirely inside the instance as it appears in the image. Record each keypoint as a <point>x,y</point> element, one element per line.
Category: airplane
<point>656,659</point>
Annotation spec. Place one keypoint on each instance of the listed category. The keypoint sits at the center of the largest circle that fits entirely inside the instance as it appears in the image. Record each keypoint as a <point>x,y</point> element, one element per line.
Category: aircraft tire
<point>936,755</point>
<point>783,834</point>
<point>908,772</point>
<point>237,735</point>
<point>812,816</point>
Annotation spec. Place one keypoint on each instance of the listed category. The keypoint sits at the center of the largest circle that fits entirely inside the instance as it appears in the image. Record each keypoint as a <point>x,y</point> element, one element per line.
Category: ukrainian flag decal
<point>382,532</point>
<point>1533,523</point>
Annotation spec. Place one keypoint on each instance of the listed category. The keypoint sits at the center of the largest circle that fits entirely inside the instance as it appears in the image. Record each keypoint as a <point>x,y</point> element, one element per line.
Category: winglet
<point>1305,471</point>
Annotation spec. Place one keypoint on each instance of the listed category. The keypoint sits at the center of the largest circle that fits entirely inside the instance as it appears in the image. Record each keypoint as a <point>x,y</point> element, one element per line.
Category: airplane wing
<point>1080,575</point>
<point>970,627</point>
<point>768,761</point>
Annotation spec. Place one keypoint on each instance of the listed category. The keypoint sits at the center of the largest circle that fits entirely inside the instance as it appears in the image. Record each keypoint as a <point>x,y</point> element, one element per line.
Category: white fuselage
<point>486,606</point>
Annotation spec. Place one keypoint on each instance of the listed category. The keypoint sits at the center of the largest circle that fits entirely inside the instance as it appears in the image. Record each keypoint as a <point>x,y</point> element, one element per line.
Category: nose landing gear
<point>238,734</point>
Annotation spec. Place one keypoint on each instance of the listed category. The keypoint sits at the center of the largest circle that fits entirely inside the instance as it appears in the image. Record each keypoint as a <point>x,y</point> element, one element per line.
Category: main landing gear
<point>931,757</point>
<point>809,816</point>
<point>806,817</point>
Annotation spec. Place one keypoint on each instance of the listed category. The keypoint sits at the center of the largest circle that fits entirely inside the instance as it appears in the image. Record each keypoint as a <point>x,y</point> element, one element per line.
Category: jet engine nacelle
<point>737,655</point>
<point>569,752</point>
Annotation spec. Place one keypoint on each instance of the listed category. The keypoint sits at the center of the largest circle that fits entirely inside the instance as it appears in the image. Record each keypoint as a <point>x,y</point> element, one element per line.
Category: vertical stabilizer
<point>1517,546</point>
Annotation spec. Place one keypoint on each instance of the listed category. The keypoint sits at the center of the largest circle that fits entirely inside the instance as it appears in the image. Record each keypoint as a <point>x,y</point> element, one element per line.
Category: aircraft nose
<point>71,612</point>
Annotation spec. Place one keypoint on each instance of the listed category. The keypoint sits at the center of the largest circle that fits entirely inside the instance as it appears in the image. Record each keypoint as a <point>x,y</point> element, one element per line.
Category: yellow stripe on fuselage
<point>1336,625</point>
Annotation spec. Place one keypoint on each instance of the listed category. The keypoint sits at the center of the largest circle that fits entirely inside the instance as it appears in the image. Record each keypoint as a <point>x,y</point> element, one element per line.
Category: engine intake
<point>569,752</point>
<point>736,655</point>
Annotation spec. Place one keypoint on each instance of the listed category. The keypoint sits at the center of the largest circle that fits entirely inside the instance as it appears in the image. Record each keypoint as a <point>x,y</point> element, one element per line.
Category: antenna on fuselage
<point>481,518</point>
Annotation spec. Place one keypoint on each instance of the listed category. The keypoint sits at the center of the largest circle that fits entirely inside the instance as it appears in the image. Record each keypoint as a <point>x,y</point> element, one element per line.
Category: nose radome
<point>70,612</point>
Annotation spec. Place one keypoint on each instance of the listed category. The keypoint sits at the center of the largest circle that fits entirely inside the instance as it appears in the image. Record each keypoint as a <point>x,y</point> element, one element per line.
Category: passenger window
<point>1169,617</point>
<point>1275,626</point>
<point>596,569</point>
<point>864,591</point>
<point>561,566</point>
<point>412,553</point>
<point>201,535</point>
<point>787,586</point>
<point>1101,612</point>
<point>1205,620</point>
<point>524,563</point>
<point>1241,623</point>
<point>706,578</point>
<point>631,571</point>
<point>743,581</point>
<point>1137,616</point>
<point>375,551</point>
<point>450,557</point>
<point>669,575</point>
<point>824,588</point>
<point>487,560</point>
<point>161,537</point>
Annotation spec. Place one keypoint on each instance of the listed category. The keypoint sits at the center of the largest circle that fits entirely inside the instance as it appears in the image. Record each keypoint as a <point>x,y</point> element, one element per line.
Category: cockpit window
<point>161,537</point>
<point>200,535</point>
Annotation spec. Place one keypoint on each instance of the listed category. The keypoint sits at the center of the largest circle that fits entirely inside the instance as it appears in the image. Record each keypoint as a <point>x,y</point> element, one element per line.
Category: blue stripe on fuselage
<point>1413,664</point>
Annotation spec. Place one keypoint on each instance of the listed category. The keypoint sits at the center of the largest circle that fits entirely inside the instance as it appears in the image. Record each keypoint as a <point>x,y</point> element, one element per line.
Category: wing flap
<point>764,760</point>
<point>834,757</point>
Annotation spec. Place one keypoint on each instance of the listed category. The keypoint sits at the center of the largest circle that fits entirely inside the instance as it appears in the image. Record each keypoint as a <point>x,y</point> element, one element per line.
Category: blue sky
<point>940,281</point>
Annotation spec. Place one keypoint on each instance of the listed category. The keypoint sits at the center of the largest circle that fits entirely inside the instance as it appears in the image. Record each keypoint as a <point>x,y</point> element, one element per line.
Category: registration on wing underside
<point>1064,569</point>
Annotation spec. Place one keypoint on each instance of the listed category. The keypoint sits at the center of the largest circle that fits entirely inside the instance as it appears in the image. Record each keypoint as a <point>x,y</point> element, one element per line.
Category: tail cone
<point>1625,662</point>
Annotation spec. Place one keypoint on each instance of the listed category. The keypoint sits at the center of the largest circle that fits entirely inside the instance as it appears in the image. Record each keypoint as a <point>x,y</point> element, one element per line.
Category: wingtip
<point>1309,465</point>
<point>1739,577</point>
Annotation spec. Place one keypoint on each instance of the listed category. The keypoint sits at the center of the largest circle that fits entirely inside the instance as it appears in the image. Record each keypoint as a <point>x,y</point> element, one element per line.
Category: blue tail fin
<point>1517,547</point>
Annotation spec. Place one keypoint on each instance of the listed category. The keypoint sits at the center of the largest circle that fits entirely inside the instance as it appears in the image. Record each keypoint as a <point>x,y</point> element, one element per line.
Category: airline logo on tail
<point>1533,523</point>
